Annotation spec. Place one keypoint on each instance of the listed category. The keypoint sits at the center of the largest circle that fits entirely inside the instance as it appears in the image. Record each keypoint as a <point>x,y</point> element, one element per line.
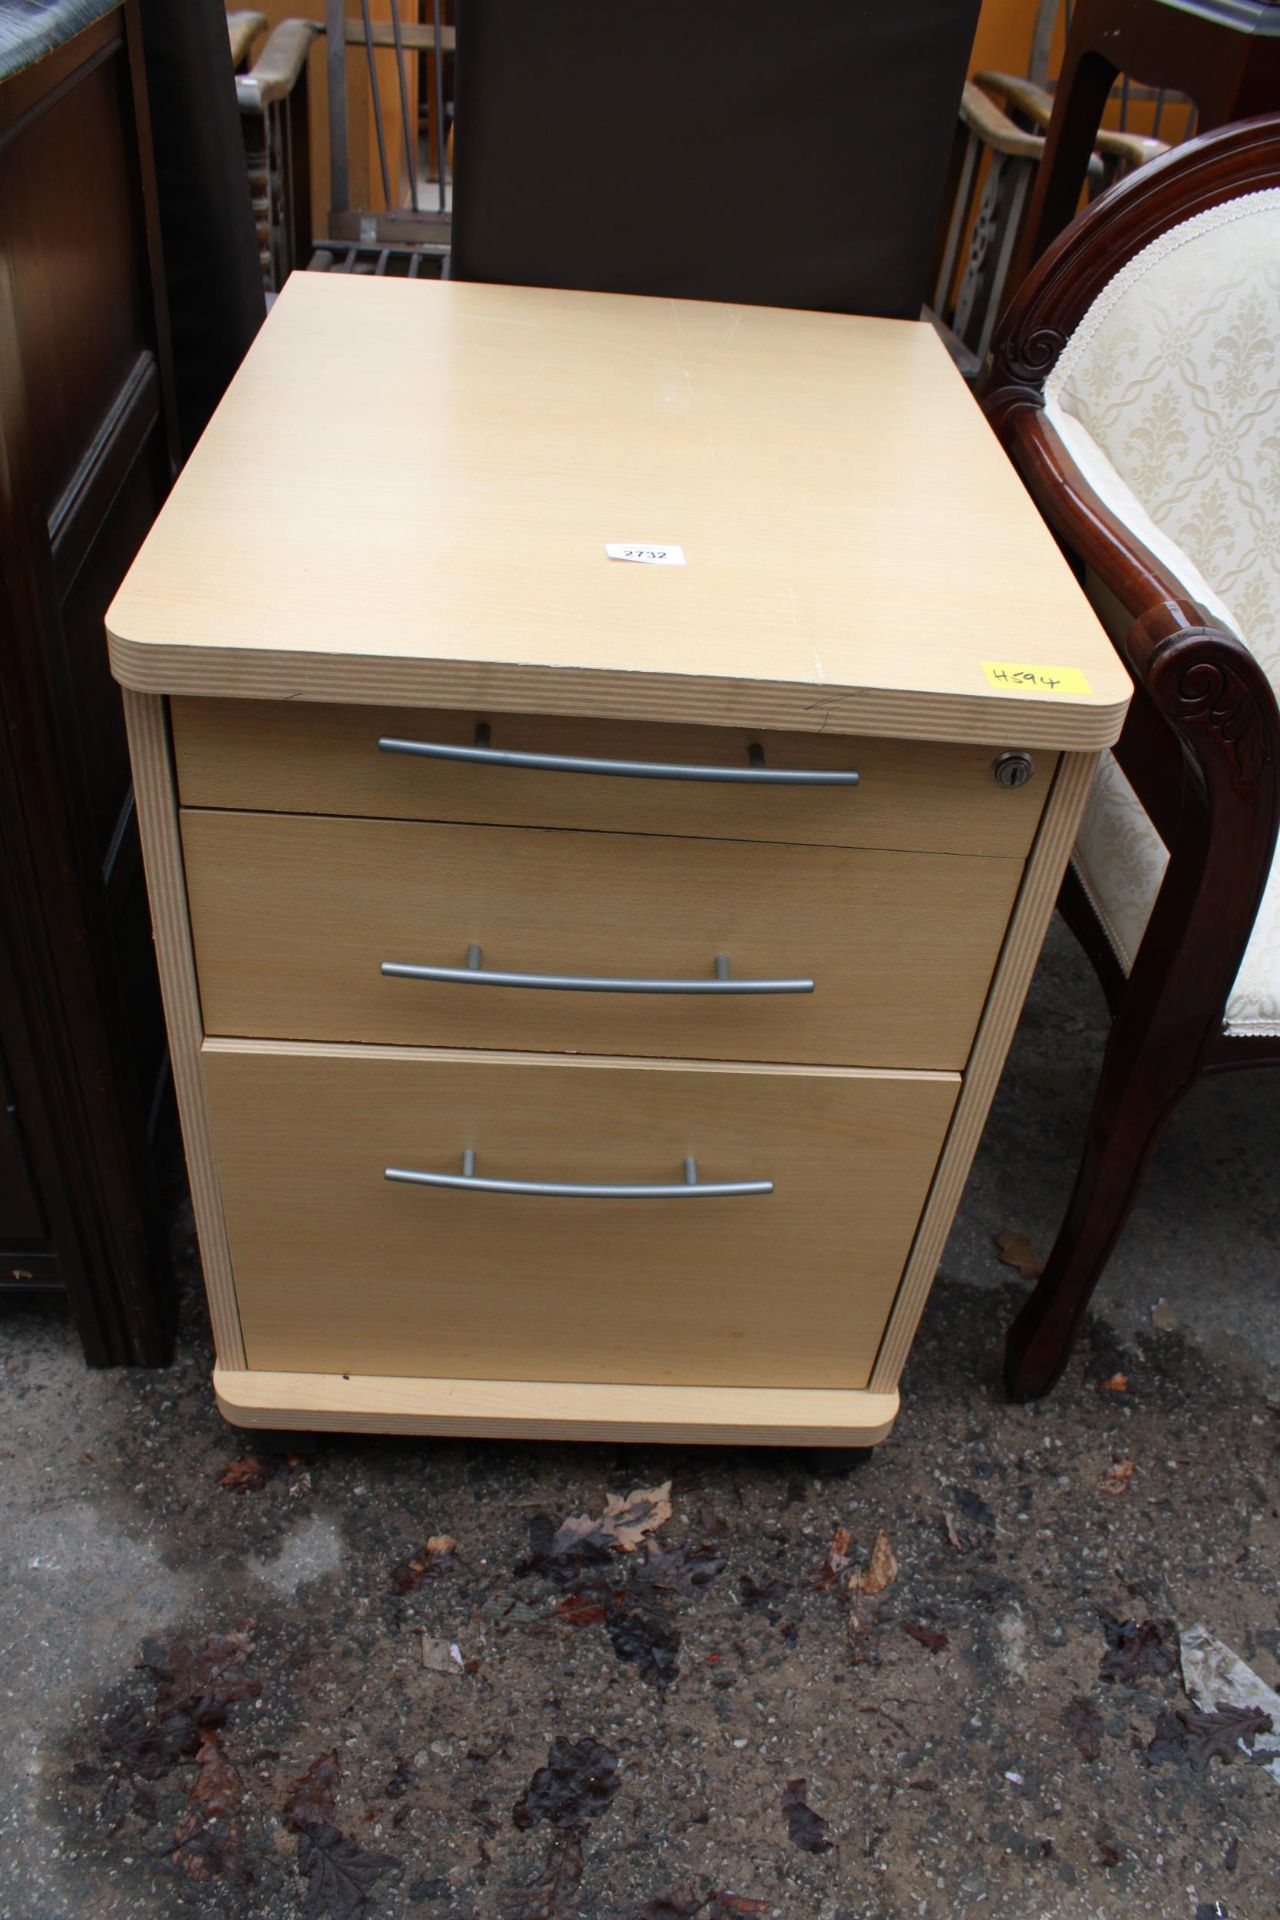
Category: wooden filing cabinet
<point>567,1043</point>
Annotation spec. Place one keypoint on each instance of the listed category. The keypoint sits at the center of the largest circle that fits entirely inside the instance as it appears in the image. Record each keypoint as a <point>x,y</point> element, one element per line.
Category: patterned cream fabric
<point>1168,398</point>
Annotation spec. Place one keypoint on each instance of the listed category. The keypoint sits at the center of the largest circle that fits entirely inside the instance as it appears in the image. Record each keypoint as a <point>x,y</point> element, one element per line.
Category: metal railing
<point>273,96</point>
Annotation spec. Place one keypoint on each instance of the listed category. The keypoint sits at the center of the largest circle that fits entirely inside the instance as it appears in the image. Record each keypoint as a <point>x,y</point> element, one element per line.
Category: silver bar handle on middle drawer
<point>690,1188</point>
<point>475,975</point>
<point>755,773</point>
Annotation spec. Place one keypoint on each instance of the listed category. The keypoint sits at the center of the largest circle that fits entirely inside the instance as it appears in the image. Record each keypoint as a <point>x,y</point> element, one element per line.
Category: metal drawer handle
<point>690,1189</point>
<point>755,773</point>
<point>473,974</point>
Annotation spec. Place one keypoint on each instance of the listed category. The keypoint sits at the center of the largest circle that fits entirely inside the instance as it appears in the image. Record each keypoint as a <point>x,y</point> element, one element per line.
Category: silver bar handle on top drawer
<point>473,974</point>
<point>755,773</point>
<point>691,1188</point>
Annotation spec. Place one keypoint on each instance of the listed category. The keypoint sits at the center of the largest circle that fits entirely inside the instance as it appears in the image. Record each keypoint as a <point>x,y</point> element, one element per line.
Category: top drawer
<point>280,756</point>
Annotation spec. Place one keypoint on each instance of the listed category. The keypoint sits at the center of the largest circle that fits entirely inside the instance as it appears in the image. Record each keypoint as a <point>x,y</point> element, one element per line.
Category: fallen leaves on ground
<point>244,1476</point>
<point>689,1567</point>
<point>144,1748</point>
<point>1115,1480</point>
<point>434,1560</point>
<point>628,1521</point>
<point>806,1829</point>
<point>1108,1365</point>
<point>645,1635</point>
<point>1197,1738</point>
<point>1084,1724</point>
<point>584,1555</point>
<point>195,1690</point>
<point>882,1568</point>
<point>311,1798</point>
<point>836,1562</point>
<point>205,1853</point>
<point>217,1786</point>
<point>564,1555</point>
<point>340,1875</point>
<point>203,1682</point>
<point>1137,1649</point>
<point>581,1610</point>
<point>576,1785</point>
<point>560,1553</point>
<point>554,1895</point>
<point>931,1637</point>
<point>1015,1250</point>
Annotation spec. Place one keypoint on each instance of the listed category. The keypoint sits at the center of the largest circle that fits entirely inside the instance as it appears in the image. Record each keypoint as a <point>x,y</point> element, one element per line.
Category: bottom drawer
<point>339,1270</point>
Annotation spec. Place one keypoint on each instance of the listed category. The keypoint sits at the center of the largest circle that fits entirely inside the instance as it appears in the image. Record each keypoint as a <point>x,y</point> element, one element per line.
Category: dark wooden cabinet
<point>87,453</point>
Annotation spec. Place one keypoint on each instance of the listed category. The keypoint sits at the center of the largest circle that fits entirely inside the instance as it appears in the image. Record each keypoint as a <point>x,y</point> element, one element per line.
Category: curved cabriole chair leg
<point>1140,1086</point>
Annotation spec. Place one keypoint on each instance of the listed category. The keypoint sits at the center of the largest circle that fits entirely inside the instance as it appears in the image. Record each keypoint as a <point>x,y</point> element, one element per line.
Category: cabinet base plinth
<point>556,1410</point>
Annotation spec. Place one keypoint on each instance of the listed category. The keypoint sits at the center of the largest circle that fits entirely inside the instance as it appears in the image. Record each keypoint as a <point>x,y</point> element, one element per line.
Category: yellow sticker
<point>1015,676</point>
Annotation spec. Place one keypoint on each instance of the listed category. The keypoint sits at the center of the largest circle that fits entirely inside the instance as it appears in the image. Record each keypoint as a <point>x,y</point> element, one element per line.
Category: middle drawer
<point>293,917</point>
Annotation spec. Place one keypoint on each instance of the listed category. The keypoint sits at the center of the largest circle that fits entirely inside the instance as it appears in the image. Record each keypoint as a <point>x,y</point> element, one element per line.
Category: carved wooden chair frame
<point>1201,746</point>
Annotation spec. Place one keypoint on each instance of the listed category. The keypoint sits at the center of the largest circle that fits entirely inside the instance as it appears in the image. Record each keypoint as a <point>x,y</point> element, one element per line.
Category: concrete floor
<point>972,1740</point>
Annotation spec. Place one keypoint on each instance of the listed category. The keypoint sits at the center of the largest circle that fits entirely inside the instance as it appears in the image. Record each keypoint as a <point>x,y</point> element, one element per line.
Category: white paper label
<point>648,556</point>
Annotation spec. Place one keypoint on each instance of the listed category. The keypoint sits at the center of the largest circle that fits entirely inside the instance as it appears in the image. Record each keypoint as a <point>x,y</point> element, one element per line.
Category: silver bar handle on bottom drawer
<point>755,773</point>
<point>691,1188</point>
<point>473,974</point>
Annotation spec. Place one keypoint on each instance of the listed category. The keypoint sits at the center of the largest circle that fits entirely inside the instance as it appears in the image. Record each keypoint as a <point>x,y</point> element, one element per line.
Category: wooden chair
<point>1135,383</point>
<point>1000,142</point>
<point>273,95</point>
<point>1225,57</point>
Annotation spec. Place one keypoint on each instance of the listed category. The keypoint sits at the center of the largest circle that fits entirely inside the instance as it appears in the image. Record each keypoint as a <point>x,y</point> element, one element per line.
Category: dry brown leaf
<point>437,1557</point>
<point>1116,1478</point>
<point>311,1801</point>
<point>573,1529</point>
<point>837,1559</point>
<point>244,1476</point>
<point>205,1853</point>
<point>882,1568</point>
<point>581,1610</point>
<point>217,1786</point>
<point>931,1637</point>
<point>1015,1250</point>
<point>627,1521</point>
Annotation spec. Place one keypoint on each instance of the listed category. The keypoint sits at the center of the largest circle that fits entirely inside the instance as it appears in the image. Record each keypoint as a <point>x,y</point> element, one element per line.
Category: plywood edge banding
<point>146,723</point>
<point>901,713</point>
<point>545,1409</point>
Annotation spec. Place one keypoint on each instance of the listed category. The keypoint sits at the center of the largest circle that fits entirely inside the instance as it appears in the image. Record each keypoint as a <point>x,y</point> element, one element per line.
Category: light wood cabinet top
<point>407,493</point>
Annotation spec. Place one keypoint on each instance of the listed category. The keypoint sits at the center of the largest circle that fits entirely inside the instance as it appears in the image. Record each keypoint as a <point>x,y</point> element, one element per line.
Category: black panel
<point>20,1214</point>
<point>711,149</point>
